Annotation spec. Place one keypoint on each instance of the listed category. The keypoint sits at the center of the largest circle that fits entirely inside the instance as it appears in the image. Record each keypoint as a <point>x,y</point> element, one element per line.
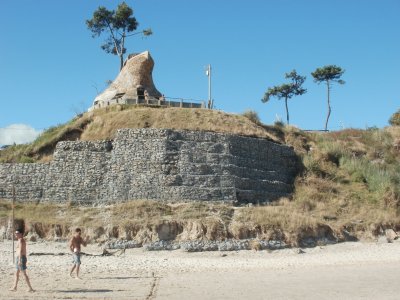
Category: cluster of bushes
<point>395,119</point>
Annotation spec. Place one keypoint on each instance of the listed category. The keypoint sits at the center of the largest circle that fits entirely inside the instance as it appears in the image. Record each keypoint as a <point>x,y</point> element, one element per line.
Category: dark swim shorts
<point>76,258</point>
<point>21,267</point>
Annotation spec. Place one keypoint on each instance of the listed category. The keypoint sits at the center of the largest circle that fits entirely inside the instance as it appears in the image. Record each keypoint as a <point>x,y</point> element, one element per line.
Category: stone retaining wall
<point>157,164</point>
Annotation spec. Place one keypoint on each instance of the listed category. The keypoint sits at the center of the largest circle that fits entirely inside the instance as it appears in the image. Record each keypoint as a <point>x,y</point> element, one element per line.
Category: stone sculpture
<point>133,85</point>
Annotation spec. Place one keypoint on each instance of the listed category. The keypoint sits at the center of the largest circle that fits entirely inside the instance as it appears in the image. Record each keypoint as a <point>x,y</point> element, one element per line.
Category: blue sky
<point>51,68</point>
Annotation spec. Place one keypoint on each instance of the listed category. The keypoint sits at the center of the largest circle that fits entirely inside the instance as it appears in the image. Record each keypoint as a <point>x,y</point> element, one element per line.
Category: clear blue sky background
<point>51,67</point>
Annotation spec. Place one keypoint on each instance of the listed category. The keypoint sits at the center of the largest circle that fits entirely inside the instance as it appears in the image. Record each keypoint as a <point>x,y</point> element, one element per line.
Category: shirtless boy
<point>20,262</point>
<point>75,247</point>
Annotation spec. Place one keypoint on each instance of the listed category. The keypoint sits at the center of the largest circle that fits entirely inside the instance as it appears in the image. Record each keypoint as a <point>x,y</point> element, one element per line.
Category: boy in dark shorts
<point>75,247</point>
<point>21,261</point>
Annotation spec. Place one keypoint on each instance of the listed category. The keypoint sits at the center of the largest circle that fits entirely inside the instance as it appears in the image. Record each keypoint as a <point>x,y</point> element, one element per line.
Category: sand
<point>343,271</point>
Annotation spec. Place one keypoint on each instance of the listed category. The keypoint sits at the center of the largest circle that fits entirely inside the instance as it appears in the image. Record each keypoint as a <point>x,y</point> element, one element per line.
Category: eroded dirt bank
<point>199,235</point>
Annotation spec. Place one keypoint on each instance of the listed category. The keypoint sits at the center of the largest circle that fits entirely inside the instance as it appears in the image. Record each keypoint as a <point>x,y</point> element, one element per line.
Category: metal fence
<point>164,102</point>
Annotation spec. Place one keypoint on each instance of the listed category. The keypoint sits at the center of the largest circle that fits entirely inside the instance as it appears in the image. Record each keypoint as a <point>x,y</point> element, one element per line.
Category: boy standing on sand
<point>75,247</point>
<point>21,261</point>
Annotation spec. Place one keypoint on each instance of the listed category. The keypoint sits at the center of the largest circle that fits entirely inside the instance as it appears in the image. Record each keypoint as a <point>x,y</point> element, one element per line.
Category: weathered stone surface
<point>134,79</point>
<point>122,244</point>
<point>391,235</point>
<point>211,245</point>
<point>157,164</point>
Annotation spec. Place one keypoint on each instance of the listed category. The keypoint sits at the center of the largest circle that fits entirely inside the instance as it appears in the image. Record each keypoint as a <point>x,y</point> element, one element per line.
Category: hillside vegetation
<point>349,189</point>
<point>102,124</point>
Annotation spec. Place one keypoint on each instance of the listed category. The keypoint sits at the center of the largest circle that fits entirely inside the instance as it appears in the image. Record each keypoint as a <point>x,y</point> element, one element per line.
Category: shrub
<point>332,151</point>
<point>279,124</point>
<point>26,159</point>
<point>395,119</point>
<point>379,180</point>
<point>252,116</point>
<point>313,166</point>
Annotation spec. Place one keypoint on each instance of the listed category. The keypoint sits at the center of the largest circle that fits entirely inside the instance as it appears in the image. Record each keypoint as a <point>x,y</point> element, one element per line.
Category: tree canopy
<point>117,24</point>
<point>287,90</point>
<point>328,74</point>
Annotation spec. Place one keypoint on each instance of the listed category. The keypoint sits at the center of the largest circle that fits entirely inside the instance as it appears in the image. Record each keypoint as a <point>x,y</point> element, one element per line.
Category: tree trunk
<point>122,48</point>
<point>287,111</point>
<point>121,60</point>
<point>329,104</point>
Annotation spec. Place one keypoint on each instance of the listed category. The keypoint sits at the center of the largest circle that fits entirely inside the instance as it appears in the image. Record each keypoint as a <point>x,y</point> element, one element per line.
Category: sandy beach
<point>344,271</point>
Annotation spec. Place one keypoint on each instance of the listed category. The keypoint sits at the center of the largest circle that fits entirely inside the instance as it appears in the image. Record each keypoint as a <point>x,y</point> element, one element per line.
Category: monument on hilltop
<point>133,85</point>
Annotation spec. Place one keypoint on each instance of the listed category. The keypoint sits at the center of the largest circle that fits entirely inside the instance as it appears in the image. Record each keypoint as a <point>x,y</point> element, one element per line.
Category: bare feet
<point>13,290</point>
<point>31,290</point>
<point>70,275</point>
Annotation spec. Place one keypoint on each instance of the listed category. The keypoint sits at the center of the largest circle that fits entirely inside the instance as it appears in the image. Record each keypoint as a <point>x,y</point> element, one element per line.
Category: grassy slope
<point>102,124</point>
<point>105,123</point>
<point>351,180</point>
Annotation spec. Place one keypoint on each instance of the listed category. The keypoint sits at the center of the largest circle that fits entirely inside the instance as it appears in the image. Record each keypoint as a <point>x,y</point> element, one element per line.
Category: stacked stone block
<point>157,164</point>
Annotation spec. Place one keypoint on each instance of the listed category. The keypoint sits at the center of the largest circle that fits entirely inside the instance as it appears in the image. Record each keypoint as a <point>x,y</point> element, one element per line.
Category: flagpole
<point>13,229</point>
<point>210,104</point>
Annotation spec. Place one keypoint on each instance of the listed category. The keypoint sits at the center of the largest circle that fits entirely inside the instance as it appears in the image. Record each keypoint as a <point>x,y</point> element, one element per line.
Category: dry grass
<point>351,180</point>
<point>43,147</point>
<point>296,138</point>
<point>146,212</point>
<point>101,124</point>
<point>105,122</point>
<point>283,216</point>
<point>140,211</point>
